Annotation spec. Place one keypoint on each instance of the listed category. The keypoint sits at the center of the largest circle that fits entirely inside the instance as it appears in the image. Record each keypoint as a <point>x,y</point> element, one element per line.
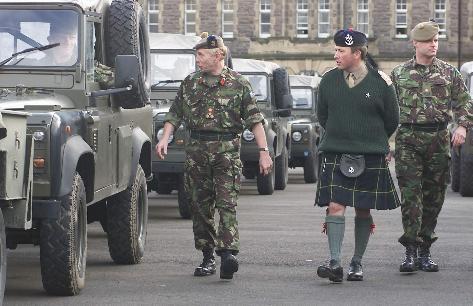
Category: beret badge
<point>348,40</point>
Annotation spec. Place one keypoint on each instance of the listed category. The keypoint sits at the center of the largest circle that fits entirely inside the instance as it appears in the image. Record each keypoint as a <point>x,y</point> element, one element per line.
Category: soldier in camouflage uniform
<point>429,90</point>
<point>215,103</point>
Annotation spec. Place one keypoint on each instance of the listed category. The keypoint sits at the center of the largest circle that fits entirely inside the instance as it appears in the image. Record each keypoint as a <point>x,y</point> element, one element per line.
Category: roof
<point>304,81</point>
<point>87,5</point>
<point>466,68</point>
<point>166,41</point>
<point>243,65</point>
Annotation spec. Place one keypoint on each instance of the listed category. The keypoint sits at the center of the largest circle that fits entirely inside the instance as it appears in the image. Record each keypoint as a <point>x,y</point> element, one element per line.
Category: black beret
<point>209,42</point>
<point>350,38</point>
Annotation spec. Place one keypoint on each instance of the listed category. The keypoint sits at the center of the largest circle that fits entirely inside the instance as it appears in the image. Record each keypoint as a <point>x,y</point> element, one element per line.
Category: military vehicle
<point>270,85</point>
<point>462,158</point>
<point>172,59</point>
<point>305,130</point>
<point>16,179</point>
<point>92,146</point>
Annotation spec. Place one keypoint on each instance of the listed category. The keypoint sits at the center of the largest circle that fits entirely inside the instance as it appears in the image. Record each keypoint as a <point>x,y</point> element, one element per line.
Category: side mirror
<point>127,71</point>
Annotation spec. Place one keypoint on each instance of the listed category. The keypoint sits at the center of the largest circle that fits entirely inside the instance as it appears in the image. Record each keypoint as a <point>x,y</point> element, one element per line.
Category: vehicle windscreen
<point>302,98</point>
<point>165,67</point>
<point>471,84</point>
<point>259,83</point>
<point>24,29</point>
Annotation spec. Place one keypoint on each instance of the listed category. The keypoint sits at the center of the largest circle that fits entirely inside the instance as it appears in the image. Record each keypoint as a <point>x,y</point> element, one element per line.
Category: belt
<point>425,127</point>
<point>212,136</point>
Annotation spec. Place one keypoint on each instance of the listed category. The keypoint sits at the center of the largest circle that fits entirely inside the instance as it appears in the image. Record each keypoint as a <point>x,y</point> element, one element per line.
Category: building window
<point>440,15</point>
<point>189,17</point>
<point>302,18</point>
<point>324,18</point>
<point>227,18</point>
<point>401,18</point>
<point>265,18</point>
<point>153,15</point>
<point>362,16</point>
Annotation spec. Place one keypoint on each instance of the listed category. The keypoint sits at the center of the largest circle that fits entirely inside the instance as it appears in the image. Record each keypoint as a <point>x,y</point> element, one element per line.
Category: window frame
<point>443,25</point>
<point>266,10</point>
<point>321,11</point>
<point>153,4</point>
<point>190,11</point>
<point>231,13</point>
<point>363,11</point>
<point>298,24</point>
<point>399,12</point>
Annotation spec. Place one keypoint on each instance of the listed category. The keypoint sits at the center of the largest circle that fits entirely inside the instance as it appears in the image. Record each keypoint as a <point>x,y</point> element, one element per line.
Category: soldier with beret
<point>215,103</point>
<point>429,90</point>
<point>358,109</point>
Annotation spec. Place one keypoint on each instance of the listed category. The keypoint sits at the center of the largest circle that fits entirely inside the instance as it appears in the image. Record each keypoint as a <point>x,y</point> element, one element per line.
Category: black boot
<point>228,265</point>
<point>331,270</point>
<point>425,263</point>
<point>409,263</point>
<point>207,267</point>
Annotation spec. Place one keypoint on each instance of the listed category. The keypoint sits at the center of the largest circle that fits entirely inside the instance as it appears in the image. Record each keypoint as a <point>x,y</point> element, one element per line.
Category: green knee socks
<point>362,235</point>
<point>335,232</point>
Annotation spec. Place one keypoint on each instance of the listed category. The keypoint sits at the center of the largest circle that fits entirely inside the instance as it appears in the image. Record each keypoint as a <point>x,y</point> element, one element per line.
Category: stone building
<point>298,33</point>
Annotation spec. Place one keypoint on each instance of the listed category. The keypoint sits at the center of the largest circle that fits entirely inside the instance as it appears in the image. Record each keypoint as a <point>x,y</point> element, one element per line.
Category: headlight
<point>248,136</point>
<point>39,136</point>
<point>296,136</point>
<point>160,133</point>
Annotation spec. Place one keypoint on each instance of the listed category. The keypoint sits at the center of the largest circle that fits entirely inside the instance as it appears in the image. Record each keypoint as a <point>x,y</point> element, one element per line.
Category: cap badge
<point>348,40</point>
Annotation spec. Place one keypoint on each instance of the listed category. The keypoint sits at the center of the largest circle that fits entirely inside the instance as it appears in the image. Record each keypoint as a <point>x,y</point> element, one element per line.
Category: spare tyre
<point>281,88</point>
<point>126,33</point>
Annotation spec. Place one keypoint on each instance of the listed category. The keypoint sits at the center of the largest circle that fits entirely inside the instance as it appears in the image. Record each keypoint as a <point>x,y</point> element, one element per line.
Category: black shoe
<point>207,267</point>
<point>425,263</point>
<point>410,262</point>
<point>228,266</point>
<point>355,272</point>
<point>332,271</point>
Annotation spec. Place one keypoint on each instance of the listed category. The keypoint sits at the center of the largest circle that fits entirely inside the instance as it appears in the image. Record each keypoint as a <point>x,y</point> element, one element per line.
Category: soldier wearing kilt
<point>215,103</point>
<point>358,110</point>
<point>429,91</point>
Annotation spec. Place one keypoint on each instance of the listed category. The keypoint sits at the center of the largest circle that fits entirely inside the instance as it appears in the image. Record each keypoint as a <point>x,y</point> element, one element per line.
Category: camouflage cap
<point>425,30</point>
<point>209,42</point>
<point>350,38</point>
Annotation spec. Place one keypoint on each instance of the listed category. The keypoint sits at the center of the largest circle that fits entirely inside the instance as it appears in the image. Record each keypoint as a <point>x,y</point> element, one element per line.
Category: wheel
<point>311,166</point>
<point>126,33</point>
<point>63,244</point>
<point>248,173</point>
<point>3,257</point>
<point>455,169</point>
<point>281,86</point>
<point>163,188</point>
<point>281,169</point>
<point>182,199</point>
<point>265,183</point>
<point>127,222</point>
<point>466,173</point>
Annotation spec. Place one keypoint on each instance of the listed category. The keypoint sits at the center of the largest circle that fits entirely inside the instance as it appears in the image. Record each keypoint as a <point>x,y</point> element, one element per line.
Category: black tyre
<point>163,188</point>
<point>127,217</point>
<point>248,173</point>
<point>455,169</point>
<point>63,244</point>
<point>311,168</point>
<point>126,33</point>
<point>466,173</point>
<point>182,198</point>
<point>281,168</point>
<point>265,183</point>
<point>281,86</point>
<point>3,257</point>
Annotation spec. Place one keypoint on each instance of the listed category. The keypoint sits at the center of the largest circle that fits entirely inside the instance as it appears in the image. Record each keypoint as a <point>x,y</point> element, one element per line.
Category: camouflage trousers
<point>212,181</point>
<point>422,170</point>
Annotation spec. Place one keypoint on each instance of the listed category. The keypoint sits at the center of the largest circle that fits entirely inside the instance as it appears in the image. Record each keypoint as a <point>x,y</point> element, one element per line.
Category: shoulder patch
<point>385,77</point>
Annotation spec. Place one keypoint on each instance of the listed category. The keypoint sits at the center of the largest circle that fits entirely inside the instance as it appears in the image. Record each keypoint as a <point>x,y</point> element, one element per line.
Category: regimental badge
<point>348,40</point>
<point>222,81</point>
<point>368,95</point>
<point>210,113</point>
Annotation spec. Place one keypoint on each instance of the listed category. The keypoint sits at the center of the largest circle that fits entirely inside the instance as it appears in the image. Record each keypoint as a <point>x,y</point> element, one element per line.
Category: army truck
<point>305,129</point>
<point>172,59</point>
<point>92,146</point>
<point>270,85</point>
<point>16,179</point>
<point>462,158</point>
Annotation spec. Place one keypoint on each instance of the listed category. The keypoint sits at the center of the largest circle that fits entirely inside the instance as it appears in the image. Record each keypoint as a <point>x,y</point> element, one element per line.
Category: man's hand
<point>162,148</point>
<point>265,163</point>
<point>459,136</point>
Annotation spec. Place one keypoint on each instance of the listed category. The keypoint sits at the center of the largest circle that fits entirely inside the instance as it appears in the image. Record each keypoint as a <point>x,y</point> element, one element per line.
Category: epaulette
<point>385,77</point>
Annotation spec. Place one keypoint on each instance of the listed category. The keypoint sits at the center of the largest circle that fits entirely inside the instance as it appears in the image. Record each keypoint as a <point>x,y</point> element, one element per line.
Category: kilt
<point>373,189</point>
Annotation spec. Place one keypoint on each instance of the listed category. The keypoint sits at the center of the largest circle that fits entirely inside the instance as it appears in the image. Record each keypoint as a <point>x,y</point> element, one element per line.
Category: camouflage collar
<point>212,81</point>
<point>413,63</point>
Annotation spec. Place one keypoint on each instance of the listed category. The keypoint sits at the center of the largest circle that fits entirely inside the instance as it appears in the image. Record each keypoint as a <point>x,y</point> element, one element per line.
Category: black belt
<point>212,136</point>
<point>425,127</point>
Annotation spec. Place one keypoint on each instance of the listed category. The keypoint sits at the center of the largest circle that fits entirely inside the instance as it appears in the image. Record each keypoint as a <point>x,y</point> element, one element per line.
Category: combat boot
<point>228,265</point>
<point>331,270</point>
<point>425,263</point>
<point>207,267</point>
<point>409,264</point>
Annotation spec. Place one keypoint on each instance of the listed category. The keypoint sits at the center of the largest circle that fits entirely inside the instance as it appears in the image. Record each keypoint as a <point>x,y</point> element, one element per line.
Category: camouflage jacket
<point>223,103</point>
<point>103,75</point>
<point>432,94</point>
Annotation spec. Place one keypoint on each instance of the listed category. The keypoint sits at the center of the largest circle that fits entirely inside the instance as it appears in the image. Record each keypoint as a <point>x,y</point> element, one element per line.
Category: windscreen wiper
<point>164,82</point>
<point>41,48</point>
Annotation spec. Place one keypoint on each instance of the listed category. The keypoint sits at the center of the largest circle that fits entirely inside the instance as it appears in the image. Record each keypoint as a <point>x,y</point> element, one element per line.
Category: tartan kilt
<point>373,189</point>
